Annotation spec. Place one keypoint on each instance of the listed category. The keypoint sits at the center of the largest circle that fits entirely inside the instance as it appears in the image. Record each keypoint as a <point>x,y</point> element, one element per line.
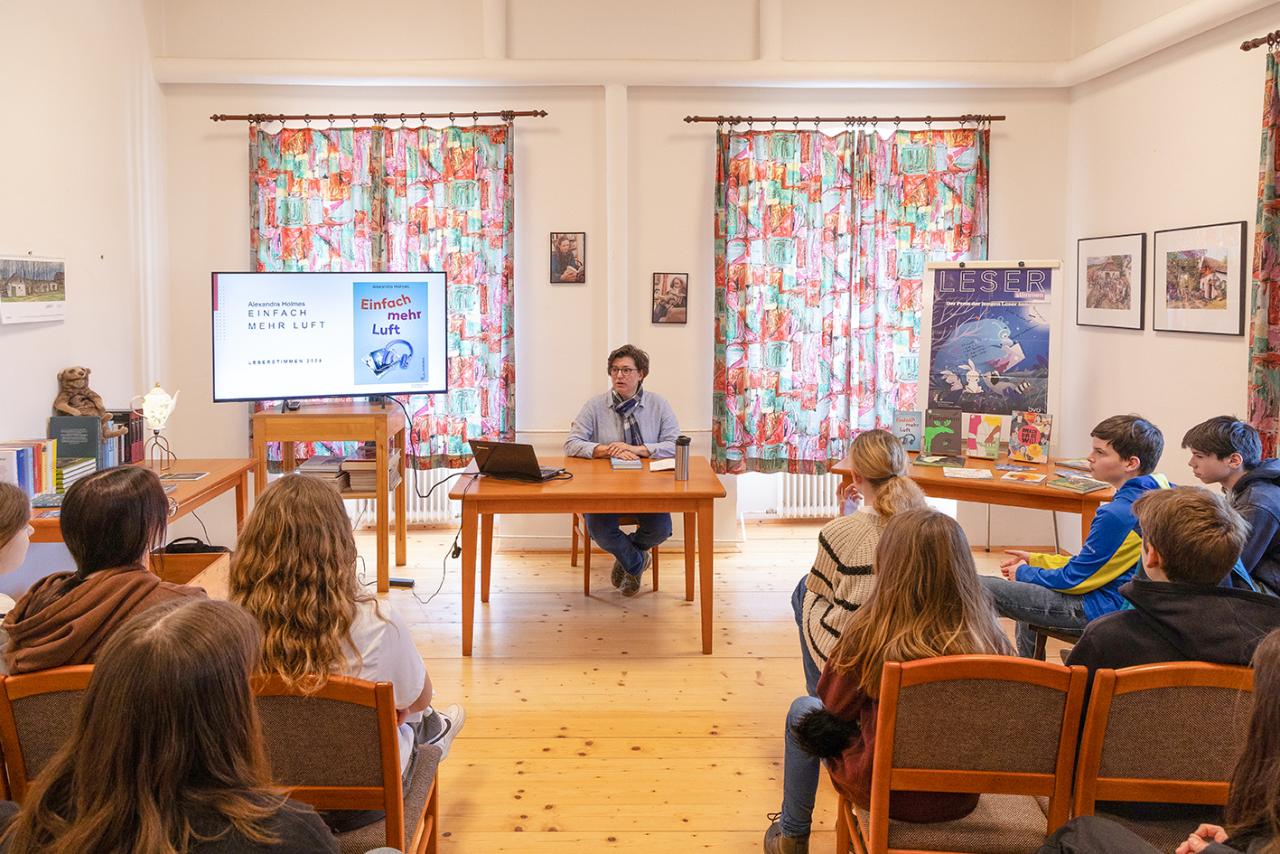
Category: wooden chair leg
<point>655,569</point>
<point>586,561</point>
<point>844,836</point>
<point>1041,642</point>
<point>573,554</point>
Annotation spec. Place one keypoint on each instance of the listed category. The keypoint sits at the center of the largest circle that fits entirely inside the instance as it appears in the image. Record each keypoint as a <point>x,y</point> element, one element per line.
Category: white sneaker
<point>446,728</point>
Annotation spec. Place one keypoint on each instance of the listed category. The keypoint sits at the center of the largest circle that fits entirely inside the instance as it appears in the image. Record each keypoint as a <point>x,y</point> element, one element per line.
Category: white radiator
<point>437,509</point>
<point>808,496</point>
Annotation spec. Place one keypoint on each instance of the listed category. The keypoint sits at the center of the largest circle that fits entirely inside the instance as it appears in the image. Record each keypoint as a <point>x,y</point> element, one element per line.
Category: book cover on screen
<point>982,436</point>
<point>1029,434</point>
<point>907,426</point>
<point>388,317</point>
<point>942,432</point>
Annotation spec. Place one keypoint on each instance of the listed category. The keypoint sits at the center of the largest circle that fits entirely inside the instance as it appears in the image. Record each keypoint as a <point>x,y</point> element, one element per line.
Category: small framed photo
<point>568,257</point>
<point>1198,279</point>
<point>1111,276</point>
<point>670,297</point>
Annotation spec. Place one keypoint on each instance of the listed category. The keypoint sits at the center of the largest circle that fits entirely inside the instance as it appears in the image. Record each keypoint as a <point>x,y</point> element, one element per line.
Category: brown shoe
<point>777,843</point>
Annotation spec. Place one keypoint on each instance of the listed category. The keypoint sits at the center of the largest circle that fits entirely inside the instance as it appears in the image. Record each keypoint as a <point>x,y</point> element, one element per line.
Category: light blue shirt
<point>598,424</point>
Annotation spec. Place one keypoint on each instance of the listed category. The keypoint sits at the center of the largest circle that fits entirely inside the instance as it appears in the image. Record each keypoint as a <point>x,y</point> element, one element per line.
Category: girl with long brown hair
<point>294,571</point>
<point>166,756</point>
<point>926,601</point>
<point>840,580</point>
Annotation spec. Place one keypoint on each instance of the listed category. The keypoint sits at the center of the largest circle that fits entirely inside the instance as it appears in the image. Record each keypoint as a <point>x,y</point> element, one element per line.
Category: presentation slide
<point>291,335</point>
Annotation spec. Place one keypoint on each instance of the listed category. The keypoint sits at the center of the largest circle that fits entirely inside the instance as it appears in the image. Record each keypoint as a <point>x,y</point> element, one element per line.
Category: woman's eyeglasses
<point>623,372</point>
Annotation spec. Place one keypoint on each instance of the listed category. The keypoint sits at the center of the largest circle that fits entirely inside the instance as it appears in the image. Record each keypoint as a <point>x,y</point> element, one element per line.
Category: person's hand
<point>569,275</point>
<point>1009,566</point>
<point>848,492</point>
<point>626,455</point>
<point>1200,840</point>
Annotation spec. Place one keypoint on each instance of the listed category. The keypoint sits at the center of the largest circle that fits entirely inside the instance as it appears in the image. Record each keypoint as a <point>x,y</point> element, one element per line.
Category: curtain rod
<point>846,120</point>
<point>1271,39</point>
<point>475,115</point>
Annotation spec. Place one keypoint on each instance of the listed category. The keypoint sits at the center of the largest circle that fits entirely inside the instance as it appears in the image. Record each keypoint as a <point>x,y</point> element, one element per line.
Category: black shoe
<point>631,583</point>
<point>776,843</point>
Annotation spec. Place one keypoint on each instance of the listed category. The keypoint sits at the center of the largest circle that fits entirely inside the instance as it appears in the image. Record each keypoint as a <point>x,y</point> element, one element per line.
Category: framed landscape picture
<point>568,258</point>
<point>1111,274</point>
<point>1198,279</point>
<point>670,297</point>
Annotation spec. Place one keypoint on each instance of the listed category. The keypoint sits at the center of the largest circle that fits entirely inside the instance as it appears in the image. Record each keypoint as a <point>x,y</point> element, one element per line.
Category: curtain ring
<point>475,118</point>
<point>402,121</point>
<point>306,120</point>
<point>816,124</point>
<point>452,118</point>
<point>353,121</point>
<point>331,120</point>
<point>773,123</point>
<point>795,123</point>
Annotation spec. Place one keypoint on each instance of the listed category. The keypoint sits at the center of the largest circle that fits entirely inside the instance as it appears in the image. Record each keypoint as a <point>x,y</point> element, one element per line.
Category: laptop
<point>510,461</point>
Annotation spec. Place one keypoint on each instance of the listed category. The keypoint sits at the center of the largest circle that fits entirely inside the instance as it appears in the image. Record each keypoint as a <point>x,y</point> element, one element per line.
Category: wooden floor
<point>594,724</point>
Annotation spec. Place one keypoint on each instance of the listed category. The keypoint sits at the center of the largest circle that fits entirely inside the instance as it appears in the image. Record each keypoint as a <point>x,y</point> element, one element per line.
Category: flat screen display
<point>296,335</point>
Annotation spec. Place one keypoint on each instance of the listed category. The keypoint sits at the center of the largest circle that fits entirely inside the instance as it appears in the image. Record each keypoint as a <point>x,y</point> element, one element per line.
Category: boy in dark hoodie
<point>1191,539</point>
<point>1228,451</point>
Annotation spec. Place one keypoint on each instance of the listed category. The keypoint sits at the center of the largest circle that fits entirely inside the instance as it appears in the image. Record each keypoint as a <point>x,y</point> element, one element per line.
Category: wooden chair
<point>1043,633</point>
<point>337,749</point>
<point>580,530</point>
<point>1167,733</point>
<point>997,725</point>
<point>37,713</point>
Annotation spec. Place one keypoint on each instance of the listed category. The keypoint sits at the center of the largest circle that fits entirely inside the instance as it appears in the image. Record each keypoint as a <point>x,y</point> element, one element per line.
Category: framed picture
<point>670,297</point>
<point>1198,279</point>
<point>1111,276</point>
<point>32,290</point>
<point>568,257</point>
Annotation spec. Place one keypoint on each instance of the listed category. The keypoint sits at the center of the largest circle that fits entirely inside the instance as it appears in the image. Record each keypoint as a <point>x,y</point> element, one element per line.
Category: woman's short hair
<point>635,354</point>
<point>114,518</point>
<point>15,511</point>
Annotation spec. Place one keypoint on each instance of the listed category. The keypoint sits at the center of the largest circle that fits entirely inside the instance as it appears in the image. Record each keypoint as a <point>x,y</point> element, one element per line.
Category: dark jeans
<point>812,670</point>
<point>1031,604</point>
<point>629,549</point>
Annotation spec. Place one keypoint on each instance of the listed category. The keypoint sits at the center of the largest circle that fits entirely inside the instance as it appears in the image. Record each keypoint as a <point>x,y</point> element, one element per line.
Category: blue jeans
<point>800,773</point>
<point>1031,604</point>
<point>812,670</point>
<point>629,549</point>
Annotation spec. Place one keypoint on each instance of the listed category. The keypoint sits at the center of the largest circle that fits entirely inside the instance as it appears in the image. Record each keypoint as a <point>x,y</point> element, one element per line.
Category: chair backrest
<point>337,747</point>
<point>37,713</point>
<point>975,723</point>
<point>1163,732</point>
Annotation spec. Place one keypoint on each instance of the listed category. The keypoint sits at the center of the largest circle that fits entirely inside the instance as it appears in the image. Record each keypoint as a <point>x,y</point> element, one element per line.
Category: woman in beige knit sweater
<point>841,577</point>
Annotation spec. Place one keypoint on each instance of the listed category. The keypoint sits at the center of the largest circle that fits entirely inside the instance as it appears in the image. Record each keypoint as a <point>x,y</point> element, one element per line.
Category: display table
<point>344,422</point>
<point>222,475</point>
<point>1007,493</point>
<point>595,488</point>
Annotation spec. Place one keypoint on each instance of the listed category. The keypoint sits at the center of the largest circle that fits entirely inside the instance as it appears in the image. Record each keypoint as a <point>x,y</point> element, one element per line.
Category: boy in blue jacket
<point>1067,592</point>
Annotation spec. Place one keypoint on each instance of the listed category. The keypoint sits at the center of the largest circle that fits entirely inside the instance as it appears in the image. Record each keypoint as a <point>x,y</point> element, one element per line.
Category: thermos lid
<point>683,440</point>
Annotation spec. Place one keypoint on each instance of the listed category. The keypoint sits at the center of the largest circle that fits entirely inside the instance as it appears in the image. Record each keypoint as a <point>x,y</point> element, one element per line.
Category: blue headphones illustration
<point>381,361</point>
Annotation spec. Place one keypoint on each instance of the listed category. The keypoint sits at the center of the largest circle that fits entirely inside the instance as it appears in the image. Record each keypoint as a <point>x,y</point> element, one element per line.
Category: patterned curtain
<point>405,199</point>
<point>1264,301</point>
<point>783,247</point>
<point>921,196</point>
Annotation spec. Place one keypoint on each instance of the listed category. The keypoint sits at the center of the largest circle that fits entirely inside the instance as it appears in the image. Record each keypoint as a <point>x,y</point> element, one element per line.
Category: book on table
<point>1029,434</point>
<point>942,432</point>
<point>907,426</point>
<point>967,474</point>
<point>361,469</point>
<point>982,435</point>
<point>1079,463</point>
<point>940,461</point>
<point>620,464</point>
<point>1023,477</point>
<point>1078,484</point>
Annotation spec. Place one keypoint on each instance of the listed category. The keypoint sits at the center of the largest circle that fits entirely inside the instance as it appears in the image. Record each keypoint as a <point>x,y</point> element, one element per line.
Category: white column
<point>494,23</point>
<point>616,169</point>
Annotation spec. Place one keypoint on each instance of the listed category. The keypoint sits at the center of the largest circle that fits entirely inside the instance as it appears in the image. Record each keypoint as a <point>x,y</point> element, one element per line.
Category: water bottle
<point>682,458</point>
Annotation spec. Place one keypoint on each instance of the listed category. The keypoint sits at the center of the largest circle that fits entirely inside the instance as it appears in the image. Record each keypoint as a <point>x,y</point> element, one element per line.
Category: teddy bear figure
<point>76,398</point>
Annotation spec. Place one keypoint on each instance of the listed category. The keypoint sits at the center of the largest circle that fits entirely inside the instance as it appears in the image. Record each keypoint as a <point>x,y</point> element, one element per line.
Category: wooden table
<point>344,422</point>
<point>223,475</point>
<point>1007,493</point>
<point>595,488</point>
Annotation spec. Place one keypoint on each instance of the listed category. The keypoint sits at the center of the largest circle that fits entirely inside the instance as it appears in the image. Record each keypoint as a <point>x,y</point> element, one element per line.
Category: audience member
<point>926,601</point>
<point>15,527</point>
<point>111,520</point>
<point>841,578</point>
<point>166,755</point>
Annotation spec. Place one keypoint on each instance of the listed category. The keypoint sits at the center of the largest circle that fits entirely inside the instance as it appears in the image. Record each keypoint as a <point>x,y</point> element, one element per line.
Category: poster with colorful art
<point>989,339</point>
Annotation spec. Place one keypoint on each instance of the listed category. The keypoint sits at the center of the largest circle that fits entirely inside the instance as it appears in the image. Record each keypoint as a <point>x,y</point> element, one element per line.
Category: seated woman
<point>294,570</point>
<point>111,520</point>
<point>1253,801</point>
<point>926,602</point>
<point>166,755</point>
<point>826,599</point>
<point>15,527</point>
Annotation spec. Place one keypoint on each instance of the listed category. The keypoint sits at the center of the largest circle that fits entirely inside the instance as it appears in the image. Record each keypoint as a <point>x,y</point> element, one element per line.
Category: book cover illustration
<point>907,426</point>
<point>941,433</point>
<point>390,332</point>
<point>982,436</point>
<point>940,461</point>
<point>1029,434</point>
<point>1078,484</point>
<point>967,474</point>
<point>1023,477</point>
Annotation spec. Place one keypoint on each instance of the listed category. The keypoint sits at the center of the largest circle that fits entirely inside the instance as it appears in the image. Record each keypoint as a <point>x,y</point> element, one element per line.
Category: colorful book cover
<point>1077,484</point>
<point>907,426</point>
<point>1023,477</point>
<point>1079,463</point>
<point>390,321</point>
<point>941,433</point>
<point>940,461</point>
<point>1012,467</point>
<point>982,436</point>
<point>967,474</point>
<point>1029,434</point>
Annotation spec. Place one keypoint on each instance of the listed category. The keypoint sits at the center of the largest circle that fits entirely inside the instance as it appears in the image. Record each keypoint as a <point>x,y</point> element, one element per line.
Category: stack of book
<point>30,464</point>
<point>361,469</point>
<point>326,468</point>
<point>71,469</point>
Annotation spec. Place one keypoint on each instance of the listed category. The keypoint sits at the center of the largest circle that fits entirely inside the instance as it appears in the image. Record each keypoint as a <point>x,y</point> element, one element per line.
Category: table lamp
<point>157,406</point>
